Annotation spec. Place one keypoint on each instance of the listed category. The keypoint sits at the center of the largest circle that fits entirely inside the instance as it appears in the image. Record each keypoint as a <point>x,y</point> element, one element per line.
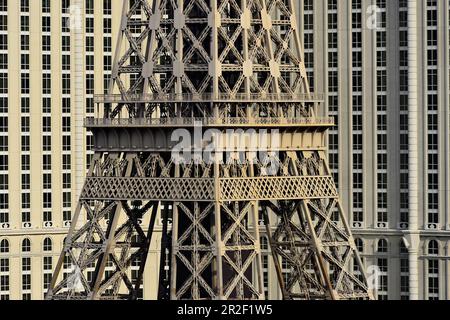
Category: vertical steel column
<point>218,234</point>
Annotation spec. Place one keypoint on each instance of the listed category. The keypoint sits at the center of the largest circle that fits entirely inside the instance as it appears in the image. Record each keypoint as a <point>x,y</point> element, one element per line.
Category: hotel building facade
<point>384,67</point>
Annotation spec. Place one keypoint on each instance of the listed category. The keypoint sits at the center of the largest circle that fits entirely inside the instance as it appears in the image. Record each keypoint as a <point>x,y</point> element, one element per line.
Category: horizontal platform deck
<point>209,122</point>
<point>209,98</point>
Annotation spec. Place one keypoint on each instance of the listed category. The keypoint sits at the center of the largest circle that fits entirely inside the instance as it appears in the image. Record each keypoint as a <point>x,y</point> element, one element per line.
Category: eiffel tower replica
<point>216,65</point>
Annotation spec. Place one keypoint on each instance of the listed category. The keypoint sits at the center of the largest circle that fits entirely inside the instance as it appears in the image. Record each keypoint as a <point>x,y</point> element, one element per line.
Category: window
<point>67,215</point>
<point>47,263</point>
<point>3,124</point>
<point>67,200</point>
<point>26,245</point>
<point>46,24</point>
<point>66,62</point>
<point>4,279</point>
<point>46,62</point>
<point>24,23</point>
<point>4,265</point>
<point>89,44</point>
<point>107,9</point>
<point>46,181</point>
<point>433,247</point>
<point>90,105</point>
<point>432,80</point>
<point>4,42</point>
<point>46,43</point>
<point>3,162</point>
<point>66,124</point>
<point>26,217</point>
<point>66,83</point>
<point>356,265</point>
<point>359,243</point>
<point>383,278</point>
<point>89,25</point>
<point>66,162</point>
<point>46,124</point>
<point>4,204</point>
<point>65,43</point>
<point>46,6</point>
<point>47,197</point>
<point>358,200</point>
<point>107,25</point>
<point>48,217</point>
<point>404,279</point>
<point>25,124</point>
<point>382,246</point>
<point>26,181</point>
<point>4,246</point>
<point>26,282</point>
<point>46,143</point>
<point>26,200</point>
<point>4,5</point>
<point>433,279</point>
<point>26,264</point>
<point>66,143</point>
<point>357,180</point>
<point>3,105</point>
<point>4,61</point>
<point>107,44</point>
<point>3,23</point>
<point>66,105</point>
<point>25,83</point>
<point>3,146</point>
<point>66,180</point>
<point>3,83</point>
<point>46,105</point>
<point>47,266</point>
<point>65,6</point>
<point>89,84</point>
<point>89,6</point>
<point>47,162</point>
<point>47,244</point>
<point>46,84</point>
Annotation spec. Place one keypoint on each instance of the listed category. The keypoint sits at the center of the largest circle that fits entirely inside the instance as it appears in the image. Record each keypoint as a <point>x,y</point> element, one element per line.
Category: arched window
<point>359,244</point>
<point>4,246</point>
<point>26,245</point>
<point>433,247</point>
<point>382,245</point>
<point>47,244</point>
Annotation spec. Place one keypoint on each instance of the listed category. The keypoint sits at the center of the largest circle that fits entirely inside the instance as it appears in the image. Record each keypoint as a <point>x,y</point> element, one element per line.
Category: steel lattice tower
<point>225,64</point>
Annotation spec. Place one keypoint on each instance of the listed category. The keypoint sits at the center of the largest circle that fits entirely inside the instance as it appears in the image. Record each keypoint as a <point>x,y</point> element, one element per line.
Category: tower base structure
<point>214,215</point>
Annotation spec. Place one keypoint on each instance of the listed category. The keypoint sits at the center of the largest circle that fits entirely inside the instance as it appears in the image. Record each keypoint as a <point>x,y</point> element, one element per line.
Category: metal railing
<point>208,97</point>
<point>181,122</point>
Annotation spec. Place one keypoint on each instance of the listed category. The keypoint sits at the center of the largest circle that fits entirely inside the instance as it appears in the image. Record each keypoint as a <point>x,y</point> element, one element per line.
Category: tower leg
<point>313,239</point>
<point>99,252</point>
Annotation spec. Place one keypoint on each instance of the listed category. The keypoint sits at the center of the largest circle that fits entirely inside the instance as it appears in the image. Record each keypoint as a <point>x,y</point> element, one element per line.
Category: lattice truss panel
<point>198,47</point>
<point>205,267</point>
